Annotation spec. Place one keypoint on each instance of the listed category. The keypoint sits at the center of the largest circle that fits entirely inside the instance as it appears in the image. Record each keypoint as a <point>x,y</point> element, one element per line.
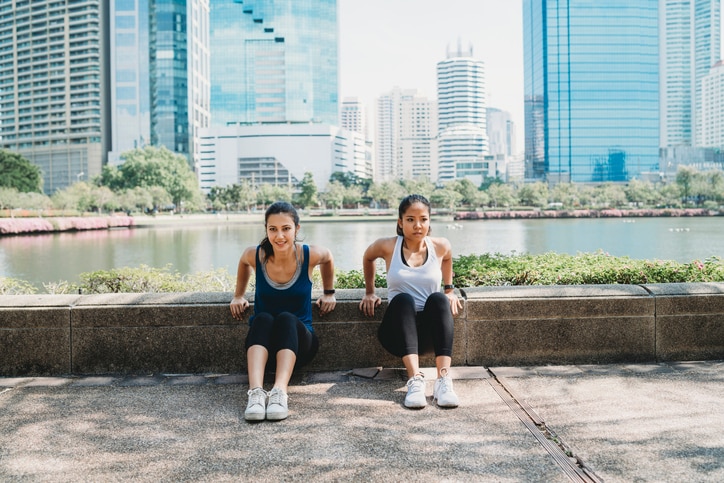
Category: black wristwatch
<point>448,287</point>
<point>329,292</point>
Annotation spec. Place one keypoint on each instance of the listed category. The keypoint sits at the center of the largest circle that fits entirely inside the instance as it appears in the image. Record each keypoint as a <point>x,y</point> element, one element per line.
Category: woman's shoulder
<point>440,243</point>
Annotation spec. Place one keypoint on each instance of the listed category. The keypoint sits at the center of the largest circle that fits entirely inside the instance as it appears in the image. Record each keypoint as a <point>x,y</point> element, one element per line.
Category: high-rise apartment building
<point>690,44</point>
<point>591,89</point>
<point>501,132</point>
<point>274,61</point>
<point>712,112</point>
<point>54,86</point>
<point>352,115</point>
<point>461,105</point>
<point>405,136</point>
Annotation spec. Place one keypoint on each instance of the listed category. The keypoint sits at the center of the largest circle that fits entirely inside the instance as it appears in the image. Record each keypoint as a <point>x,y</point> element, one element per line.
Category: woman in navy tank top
<point>419,316</point>
<point>281,325</point>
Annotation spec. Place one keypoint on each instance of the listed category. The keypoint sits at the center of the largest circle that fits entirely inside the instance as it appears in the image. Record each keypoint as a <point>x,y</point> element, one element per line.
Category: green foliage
<point>153,167</point>
<point>356,279</point>
<point>19,173</point>
<point>146,279</point>
<point>582,269</point>
<point>12,286</point>
<point>307,191</point>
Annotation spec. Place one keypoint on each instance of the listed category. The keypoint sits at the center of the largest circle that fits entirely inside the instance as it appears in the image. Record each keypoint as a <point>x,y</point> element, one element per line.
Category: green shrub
<point>469,271</point>
<point>12,286</point>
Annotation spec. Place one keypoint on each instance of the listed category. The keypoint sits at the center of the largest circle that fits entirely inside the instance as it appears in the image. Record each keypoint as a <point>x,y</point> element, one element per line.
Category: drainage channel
<point>571,465</point>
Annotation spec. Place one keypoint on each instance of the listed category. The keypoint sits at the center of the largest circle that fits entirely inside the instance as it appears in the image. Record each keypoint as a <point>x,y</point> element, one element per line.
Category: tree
<point>566,194</point>
<point>308,190</point>
<point>19,173</point>
<point>334,195</point>
<point>152,166</point>
<point>533,194</point>
<point>419,186</point>
<point>467,190</point>
<point>389,193</point>
<point>501,195</point>
<point>446,198</point>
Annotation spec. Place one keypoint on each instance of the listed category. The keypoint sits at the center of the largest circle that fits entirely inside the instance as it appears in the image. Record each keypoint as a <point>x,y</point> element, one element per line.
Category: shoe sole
<point>255,417</point>
<point>277,417</point>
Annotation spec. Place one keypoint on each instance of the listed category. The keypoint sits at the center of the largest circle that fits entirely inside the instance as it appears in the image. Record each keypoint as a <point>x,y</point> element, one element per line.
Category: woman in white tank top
<point>419,317</point>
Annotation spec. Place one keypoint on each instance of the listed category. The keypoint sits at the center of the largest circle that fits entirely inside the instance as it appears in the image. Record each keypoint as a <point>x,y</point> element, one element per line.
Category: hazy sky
<point>388,43</point>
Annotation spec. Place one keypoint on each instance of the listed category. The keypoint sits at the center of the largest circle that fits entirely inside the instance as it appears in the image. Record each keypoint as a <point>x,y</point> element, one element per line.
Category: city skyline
<point>391,43</point>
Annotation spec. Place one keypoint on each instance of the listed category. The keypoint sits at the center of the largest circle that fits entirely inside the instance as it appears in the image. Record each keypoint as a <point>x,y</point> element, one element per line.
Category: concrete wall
<point>195,333</point>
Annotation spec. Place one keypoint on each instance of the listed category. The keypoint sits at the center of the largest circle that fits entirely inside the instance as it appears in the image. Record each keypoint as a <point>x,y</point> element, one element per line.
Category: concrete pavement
<point>657,422</point>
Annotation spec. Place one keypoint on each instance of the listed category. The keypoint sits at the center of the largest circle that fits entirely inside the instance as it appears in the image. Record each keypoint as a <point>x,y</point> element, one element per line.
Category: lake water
<point>191,248</point>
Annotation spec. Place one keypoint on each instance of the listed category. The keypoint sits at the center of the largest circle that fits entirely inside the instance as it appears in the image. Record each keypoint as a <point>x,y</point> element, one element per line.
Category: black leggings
<point>285,331</point>
<point>404,331</point>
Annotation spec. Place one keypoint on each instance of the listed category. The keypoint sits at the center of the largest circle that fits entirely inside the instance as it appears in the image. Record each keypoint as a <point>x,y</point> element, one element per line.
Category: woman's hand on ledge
<point>238,306</point>
<point>368,304</point>
<point>326,303</point>
<point>455,304</point>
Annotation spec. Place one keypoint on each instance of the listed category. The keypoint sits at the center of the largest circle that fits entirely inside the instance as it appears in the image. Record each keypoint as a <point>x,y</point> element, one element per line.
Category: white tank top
<point>420,282</point>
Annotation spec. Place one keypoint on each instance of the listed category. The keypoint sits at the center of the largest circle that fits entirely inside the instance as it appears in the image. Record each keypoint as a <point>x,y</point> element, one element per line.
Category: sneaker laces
<point>412,383</point>
<point>257,396</point>
<point>276,396</point>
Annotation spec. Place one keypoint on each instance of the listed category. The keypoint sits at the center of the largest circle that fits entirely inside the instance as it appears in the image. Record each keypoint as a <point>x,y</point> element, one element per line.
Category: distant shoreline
<point>45,225</point>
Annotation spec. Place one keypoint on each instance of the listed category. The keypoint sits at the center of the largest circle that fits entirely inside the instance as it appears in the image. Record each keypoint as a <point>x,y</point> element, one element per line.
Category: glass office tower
<point>591,89</point>
<point>130,93</point>
<point>53,86</point>
<point>274,61</point>
<point>179,73</point>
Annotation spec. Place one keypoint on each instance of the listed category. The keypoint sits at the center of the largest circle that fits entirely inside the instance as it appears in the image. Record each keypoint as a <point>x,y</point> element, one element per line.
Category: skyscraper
<point>274,61</point>
<point>130,92</point>
<point>461,104</point>
<point>712,113</point>
<point>179,69</point>
<point>54,86</point>
<point>405,136</point>
<point>690,45</point>
<point>591,89</point>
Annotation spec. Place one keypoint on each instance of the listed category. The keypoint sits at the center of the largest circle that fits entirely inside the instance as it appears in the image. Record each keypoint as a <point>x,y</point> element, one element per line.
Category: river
<point>193,247</point>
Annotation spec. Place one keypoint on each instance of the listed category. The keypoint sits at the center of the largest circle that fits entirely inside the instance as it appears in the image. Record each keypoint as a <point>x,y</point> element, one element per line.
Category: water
<point>202,247</point>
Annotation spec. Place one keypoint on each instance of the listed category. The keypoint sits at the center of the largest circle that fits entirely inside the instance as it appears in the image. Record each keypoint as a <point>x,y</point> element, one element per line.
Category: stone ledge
<point>188,333</point>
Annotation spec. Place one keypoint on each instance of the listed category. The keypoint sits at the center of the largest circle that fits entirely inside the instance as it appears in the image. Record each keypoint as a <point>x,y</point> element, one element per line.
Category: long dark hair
<point>408,201</point>
<point>275,209</point>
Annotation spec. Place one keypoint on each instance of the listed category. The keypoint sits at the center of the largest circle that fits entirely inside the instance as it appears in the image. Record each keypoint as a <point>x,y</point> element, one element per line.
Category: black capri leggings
<point>404,331</point>
<point>285,331</point>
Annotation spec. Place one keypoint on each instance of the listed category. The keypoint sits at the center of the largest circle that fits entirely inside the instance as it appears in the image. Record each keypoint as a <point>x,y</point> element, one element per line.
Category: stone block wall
<point>183,333</point>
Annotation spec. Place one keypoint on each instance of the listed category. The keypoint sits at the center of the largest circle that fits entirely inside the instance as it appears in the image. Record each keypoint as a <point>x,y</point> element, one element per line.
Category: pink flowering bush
<point>14,226</point>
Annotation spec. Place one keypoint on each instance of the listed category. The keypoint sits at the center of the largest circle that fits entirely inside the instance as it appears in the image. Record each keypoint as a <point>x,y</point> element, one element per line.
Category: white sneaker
<point>256,407</point>
<point>444,394</point>
<point>415,398</point>
<point>277,409</point>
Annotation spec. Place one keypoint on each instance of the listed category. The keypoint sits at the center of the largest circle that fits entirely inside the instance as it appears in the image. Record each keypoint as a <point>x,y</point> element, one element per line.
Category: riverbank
<point>36,225</point>
<point>23,226</point>
<point>636,213</point>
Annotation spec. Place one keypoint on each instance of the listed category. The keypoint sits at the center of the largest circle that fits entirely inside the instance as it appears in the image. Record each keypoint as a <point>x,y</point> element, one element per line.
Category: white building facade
<point>462,133</point>
<point>405,141</point>
<point>279,154</point>
<point>712,112</point>
<point>689,33</point>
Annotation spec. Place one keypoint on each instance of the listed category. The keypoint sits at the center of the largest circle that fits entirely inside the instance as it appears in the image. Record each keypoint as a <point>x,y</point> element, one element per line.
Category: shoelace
<point>257,396</point>
<point>276,397</point>
<point>412,383</point>
<point>443,386</point>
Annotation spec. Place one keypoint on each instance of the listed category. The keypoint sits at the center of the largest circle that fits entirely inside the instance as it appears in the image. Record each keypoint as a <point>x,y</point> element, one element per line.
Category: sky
<point>388,43</point>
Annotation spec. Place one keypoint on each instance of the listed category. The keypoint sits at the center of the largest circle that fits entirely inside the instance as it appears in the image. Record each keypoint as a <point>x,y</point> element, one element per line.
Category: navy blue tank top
<point>294,296</point>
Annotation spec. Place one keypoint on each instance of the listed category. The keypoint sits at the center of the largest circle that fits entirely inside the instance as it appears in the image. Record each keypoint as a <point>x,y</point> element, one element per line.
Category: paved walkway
<point>660,422</point>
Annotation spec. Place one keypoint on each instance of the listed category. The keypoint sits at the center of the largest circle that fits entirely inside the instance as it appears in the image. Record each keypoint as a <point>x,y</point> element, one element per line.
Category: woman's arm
<point>444,253</point>
<point>322,257</point>
<point>381,248</point>
<point>239,304</point>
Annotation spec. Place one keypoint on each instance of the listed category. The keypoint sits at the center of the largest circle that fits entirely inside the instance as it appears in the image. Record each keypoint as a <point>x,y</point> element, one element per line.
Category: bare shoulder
<point>319,254</point>
<point>442,245</point>
<point>248,256</point>
<point>381,247</point>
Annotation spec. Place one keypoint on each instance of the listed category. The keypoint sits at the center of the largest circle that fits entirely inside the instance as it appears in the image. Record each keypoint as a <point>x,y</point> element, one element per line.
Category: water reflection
<point>194,248</point>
